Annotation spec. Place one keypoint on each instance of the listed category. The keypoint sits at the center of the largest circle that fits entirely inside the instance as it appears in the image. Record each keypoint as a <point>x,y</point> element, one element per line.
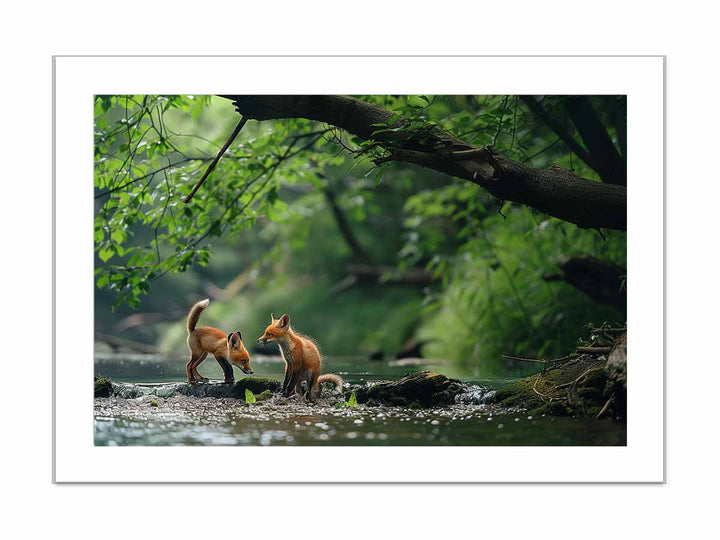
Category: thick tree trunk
<point>554,191</point>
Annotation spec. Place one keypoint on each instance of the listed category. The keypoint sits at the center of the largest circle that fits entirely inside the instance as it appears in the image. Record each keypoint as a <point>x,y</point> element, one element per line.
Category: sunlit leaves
<point>146,162</point>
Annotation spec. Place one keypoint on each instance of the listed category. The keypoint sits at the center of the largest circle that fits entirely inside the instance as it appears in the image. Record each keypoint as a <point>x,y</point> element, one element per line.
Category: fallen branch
<point>605,407</point>
<point>608,330</point>
<point>538,360</point>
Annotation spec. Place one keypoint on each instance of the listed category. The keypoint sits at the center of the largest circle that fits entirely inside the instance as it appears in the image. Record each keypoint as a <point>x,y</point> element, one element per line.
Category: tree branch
<point>345,229</point>
<point>410,276</point>
<point>212,165</point>
<point>554,191</point>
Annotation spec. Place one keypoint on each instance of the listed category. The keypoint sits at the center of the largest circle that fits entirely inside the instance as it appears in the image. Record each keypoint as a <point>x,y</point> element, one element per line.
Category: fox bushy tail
<point>195,313</point>
<point>331,377</point>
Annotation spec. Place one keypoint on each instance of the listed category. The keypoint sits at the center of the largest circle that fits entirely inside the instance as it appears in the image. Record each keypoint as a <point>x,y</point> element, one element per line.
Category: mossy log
<point>580,387</point>
<point>425,388</point>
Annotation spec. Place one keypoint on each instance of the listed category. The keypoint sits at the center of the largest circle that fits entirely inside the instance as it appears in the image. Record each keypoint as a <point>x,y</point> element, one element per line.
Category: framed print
<point>356,265</point>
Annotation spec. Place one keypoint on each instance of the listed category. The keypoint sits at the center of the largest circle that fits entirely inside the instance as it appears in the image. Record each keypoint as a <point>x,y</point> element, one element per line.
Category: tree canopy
<point>480,200</point>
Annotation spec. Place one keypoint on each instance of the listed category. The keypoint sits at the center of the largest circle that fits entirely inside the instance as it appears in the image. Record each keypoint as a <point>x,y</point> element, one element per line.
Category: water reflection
<point>184,420</point>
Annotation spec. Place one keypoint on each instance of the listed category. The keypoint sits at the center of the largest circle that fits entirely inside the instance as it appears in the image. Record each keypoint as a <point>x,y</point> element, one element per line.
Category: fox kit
<point>228,349</point>
<point>302,358</point>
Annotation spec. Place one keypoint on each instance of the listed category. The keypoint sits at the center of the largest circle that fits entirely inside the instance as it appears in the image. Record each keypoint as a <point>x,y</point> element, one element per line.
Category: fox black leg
<point>227,370</point>
<point>286,381</point>
<point>292,384</point>
<point>310,393</point>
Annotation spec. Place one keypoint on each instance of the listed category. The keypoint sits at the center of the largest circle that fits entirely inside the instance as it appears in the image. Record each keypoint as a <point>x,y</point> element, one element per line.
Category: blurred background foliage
<point>297,218</point>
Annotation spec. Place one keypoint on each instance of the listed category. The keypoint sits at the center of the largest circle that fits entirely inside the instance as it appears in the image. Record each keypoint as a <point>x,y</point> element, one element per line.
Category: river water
<point>181,420</point>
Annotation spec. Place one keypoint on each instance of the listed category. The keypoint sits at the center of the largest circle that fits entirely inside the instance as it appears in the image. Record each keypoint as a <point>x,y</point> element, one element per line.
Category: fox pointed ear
<point>239,335</point>
<point>273,318</point>
<point>233,340</point>
<point>284,321</point>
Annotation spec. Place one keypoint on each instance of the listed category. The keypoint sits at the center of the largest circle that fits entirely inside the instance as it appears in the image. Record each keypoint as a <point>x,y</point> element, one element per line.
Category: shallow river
<point>181,420</point>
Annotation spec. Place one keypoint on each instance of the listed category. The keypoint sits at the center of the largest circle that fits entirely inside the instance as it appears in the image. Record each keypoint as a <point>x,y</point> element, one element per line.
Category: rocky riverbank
<point>417,390</point>
<point>582,385</point>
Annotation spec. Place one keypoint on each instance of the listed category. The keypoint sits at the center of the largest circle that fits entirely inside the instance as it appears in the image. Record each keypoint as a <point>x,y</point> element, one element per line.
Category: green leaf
<point>352,401</point>
<point>106,254</point>
<point>249,396</point>
<point>118,236</point>
<point>102,281</point>
<point>378,176</point>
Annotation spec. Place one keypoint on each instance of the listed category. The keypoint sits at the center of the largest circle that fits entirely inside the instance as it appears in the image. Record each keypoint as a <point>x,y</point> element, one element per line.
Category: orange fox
<point>228,350</point>
<point>302,358</point>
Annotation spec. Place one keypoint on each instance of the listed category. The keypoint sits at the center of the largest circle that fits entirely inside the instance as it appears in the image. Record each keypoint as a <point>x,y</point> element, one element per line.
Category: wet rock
<point>425,387</point>
<point>477,395</point>
<point>256,385</point>
<point>132,391</point>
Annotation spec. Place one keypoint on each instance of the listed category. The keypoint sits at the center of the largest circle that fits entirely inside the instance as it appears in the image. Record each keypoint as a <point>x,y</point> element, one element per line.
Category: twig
<point>512,141</point>
<point>575,380</point>
<point>539,393</point>
<point>605,407</point>
<point>210,169</point>
<point>594,350</point>
<point>608,330</point>
<point>538,360</point>
<point>502,115</point>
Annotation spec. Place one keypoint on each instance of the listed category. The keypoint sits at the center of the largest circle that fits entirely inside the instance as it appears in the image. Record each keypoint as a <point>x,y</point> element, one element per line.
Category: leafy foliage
<point>263,220</point>
<point>145,164</point>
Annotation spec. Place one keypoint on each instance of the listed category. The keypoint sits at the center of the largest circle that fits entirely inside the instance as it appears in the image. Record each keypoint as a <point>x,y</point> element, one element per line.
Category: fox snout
<point>247,370</point>
<point>262,339</point>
